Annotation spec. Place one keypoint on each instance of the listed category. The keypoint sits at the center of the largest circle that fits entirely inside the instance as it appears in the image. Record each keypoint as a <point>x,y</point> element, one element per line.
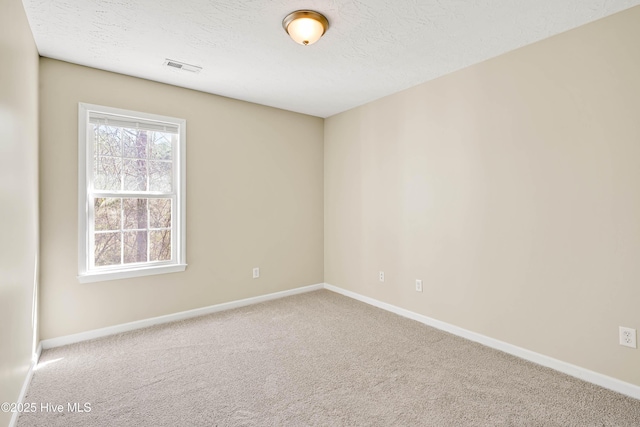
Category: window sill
<point>125,274</point>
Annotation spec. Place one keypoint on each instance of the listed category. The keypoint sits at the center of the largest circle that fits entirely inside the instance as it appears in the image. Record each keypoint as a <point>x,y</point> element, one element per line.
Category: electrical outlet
<point>418,285</point>
<point>381,276</point>
<point>628,337</point>
<point>256,272</point>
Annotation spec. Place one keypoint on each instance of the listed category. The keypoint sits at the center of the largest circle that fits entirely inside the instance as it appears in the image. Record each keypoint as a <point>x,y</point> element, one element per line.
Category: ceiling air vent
<point>182,66</point>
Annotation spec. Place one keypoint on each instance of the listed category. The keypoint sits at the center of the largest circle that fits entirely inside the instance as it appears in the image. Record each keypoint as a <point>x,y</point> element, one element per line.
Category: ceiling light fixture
<point>305,26</point>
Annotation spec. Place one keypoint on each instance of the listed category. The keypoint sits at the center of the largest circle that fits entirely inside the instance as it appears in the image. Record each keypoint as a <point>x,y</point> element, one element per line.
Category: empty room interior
<point>320,213</point>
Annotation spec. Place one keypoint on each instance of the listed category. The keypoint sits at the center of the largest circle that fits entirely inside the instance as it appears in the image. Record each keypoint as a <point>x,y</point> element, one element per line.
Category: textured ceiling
<point>373,47</point>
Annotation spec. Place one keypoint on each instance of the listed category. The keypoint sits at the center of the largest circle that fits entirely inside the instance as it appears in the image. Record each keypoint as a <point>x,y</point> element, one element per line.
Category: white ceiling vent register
<point>182,66</point>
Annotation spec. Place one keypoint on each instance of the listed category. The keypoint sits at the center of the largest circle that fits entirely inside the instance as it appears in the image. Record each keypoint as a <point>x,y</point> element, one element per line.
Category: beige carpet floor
<point>313,359</point>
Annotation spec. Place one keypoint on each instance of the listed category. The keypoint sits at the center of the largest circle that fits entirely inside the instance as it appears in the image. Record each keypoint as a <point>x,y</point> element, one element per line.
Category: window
<point>131,194</point>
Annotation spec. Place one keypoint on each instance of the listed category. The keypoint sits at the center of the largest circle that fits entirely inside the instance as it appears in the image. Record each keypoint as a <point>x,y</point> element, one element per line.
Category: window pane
<point>135,246</point>
<point>135,213</point>
<point>135,143</point>
<point>107,249</point>
<point>160,176</point>
<point>107,172</point>
<point>135,175</point>
<point>130,191</point>
<point>161,145</point>
<point>108,141</point>
<point>160,213</point>
<point>106,214</point>
<point>160,245</point>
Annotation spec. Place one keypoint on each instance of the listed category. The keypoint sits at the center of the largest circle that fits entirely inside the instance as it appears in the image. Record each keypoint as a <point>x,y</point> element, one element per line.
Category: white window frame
<point>87,273</point>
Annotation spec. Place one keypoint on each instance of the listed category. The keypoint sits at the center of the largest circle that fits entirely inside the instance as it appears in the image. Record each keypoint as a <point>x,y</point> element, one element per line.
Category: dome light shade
<point>305,26</point>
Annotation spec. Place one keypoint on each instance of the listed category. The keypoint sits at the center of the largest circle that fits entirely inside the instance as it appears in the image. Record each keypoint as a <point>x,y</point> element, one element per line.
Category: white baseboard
<point>112,330</point>
<point>25,385</point>
<point>605,381</point>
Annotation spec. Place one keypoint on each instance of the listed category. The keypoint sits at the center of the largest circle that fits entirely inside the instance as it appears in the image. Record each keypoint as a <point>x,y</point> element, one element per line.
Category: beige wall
<point>511,188</point>
<point>254,199</point>
<point>18,199</point>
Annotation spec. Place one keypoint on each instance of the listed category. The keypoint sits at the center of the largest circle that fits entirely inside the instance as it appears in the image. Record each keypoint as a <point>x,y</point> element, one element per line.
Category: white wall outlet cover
<point>628,337</point>
<point>256,273</point>
<point>381,276</point>
<point>418,285</point>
